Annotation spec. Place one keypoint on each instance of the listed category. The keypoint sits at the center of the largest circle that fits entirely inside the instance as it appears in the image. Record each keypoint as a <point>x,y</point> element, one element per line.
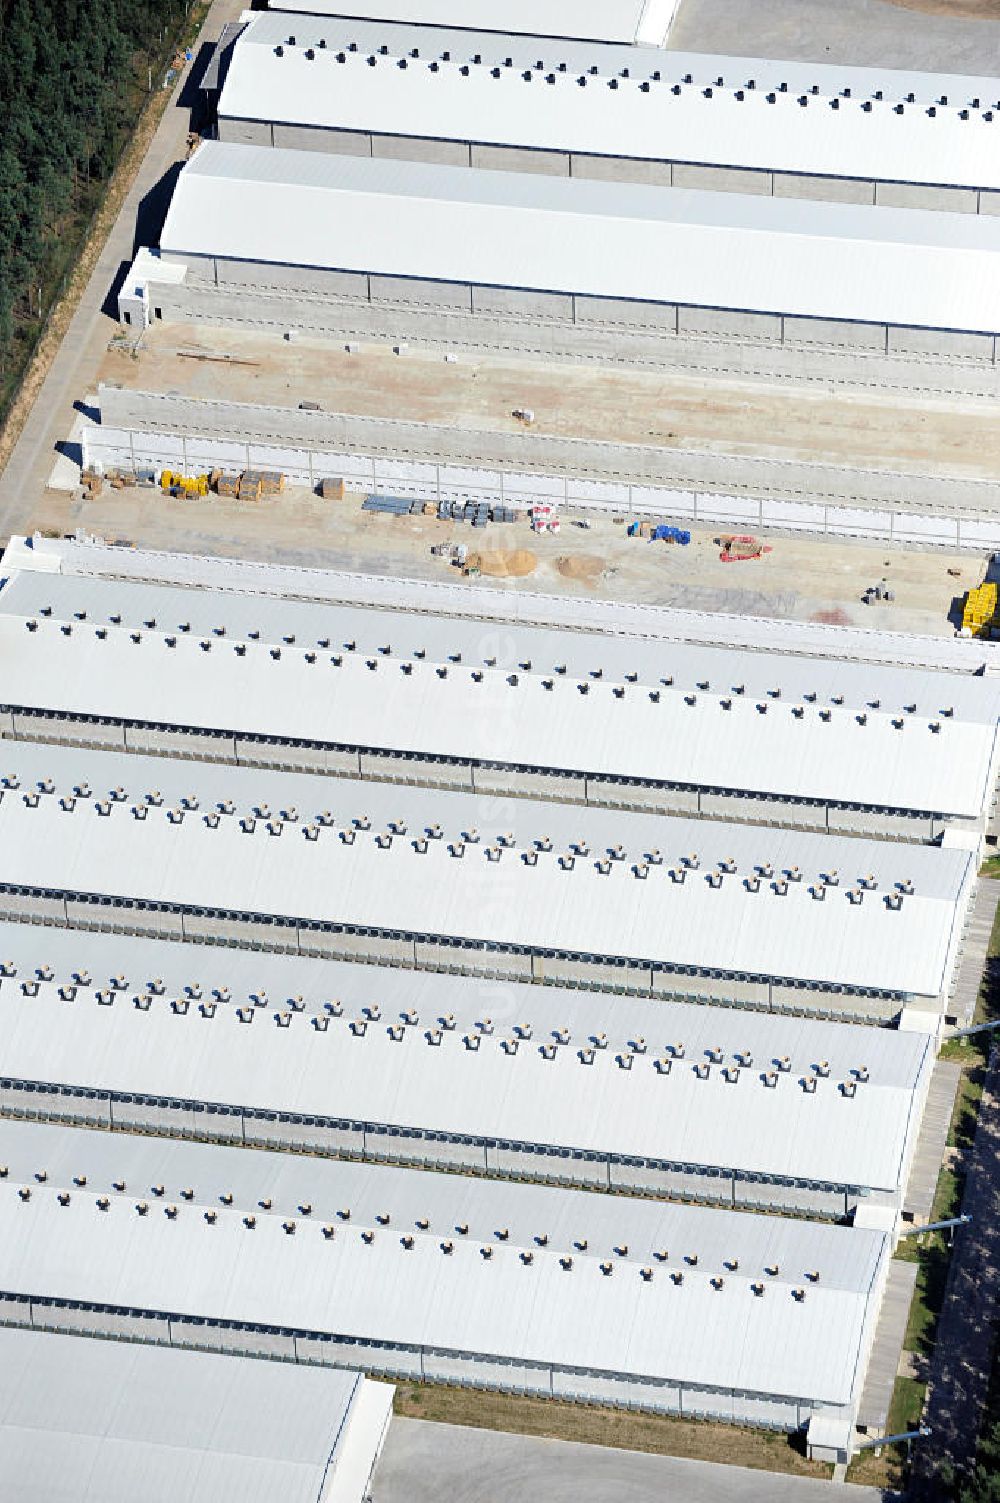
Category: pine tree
<point>984,1486</point>
<point>72,80</point>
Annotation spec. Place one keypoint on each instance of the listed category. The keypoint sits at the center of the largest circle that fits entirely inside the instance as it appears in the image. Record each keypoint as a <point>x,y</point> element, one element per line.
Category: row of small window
<point>385,1350</point>
<point>321,1124</point>
<point>735,794</point>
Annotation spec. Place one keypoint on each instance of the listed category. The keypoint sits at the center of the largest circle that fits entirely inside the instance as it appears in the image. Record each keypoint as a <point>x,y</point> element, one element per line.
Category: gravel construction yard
<point>801,580</point>
<point>798,580</point>
<point>885,430</point>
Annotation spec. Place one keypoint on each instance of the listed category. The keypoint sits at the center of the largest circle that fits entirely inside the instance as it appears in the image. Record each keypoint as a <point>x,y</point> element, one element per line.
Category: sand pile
<point>585,566</point>
<point>510,565</point>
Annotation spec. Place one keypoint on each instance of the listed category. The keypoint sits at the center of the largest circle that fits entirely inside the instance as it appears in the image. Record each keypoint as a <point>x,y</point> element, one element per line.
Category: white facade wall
<point>493,317</point>
<point>426,1365</point>
<point>112,447</point>
<point>663,172</point>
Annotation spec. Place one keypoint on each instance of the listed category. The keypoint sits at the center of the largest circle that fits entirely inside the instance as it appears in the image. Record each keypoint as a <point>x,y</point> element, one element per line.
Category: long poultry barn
<point>510,887</point>
<point>524,1288</point>
<point>496,257</point>
<point>230,675</point>
<point>621,113</point>
<point>498,1078</point>
<point>85,556</point>
<point>128,1421</point>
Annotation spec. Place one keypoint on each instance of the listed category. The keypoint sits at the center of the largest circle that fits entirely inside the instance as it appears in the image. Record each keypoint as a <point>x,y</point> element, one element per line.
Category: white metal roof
<point>214,68</point>
<point>469,1083</point>
<point>635,621</point>
<point>534,1311</point>
<point>645,21</point>
<point>707,717</point>
<point>570,235</point>
<point>573,896</point>
<point>113,1421</point>
<point>617,101</point>
<point>149,266</point>
<point>131,964</point>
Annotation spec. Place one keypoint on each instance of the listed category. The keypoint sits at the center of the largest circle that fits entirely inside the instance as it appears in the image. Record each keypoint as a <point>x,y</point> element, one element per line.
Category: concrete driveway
<point>428,1463</point>
<point>930,35</point>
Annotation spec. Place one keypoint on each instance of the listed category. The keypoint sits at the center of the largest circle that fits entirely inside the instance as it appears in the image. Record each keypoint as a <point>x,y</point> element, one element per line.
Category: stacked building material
<point>980,609</point>
<point>250,487</point>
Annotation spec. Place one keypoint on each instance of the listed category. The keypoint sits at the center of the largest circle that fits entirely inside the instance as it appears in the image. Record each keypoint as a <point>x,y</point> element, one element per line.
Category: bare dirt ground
<point>659,1434</point>
<point>970,10</point>
<point>887,432</point>
<point>799,580</point>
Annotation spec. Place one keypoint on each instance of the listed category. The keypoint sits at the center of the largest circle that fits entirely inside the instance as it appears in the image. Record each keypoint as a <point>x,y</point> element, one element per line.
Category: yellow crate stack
<point>188,485</point>
<point>979,612</point>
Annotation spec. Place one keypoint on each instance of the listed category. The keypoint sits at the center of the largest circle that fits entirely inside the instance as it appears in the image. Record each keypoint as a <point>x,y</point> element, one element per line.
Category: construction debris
<point>393,506</point>
<point>737,547</point>
<point>221,356</point>
<point>248,485</point>
<point>271,482</point>
<point>544,518</point>
<point>875,593</point>
<point>185,486</point>
<point>659,532</point>
<point>476,512</point>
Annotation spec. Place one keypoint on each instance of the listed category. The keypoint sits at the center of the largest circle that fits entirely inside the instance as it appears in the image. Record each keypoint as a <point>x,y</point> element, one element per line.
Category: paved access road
<point>427,1463</point>
<point>931,35</point>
